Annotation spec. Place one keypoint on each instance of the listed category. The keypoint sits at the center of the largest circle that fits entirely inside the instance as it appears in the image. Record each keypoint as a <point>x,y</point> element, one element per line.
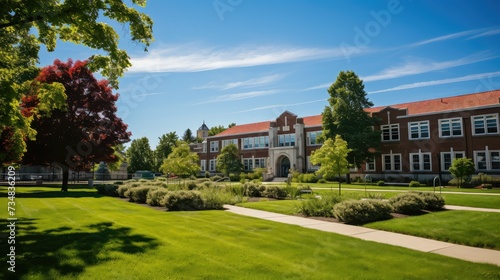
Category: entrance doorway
<point>284,166</point>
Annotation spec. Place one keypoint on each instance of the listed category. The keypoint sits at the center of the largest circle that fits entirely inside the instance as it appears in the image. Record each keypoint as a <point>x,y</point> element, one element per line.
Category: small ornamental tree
<point>461,169</point>
<point>181,161</point>
<point>139,155</point>
<point>228,161</point>
<point>102,172</point>
<point>332,158</point>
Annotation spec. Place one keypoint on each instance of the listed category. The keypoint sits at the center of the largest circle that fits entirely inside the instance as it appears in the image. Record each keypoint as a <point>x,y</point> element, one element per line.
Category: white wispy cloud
<point>245,84</point>
<point>439,82</point>
<point>417,66</point>
<point>194,59</point>
<point>147,94</point>
<point>240,96</point>
<point>447,37</point>
<point>486,33</point>
<point>280,106</point>
<point>322,86</point>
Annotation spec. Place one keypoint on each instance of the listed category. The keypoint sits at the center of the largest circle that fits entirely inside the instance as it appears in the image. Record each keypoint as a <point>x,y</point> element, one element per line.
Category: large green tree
<point>188,136</point>
<point>228,161</point>
<point>332,158</point>
<point>139,155</point>
<point>165,146</point>
<point>26,24</point>
<point>345,116</point>
<point>181,161</point>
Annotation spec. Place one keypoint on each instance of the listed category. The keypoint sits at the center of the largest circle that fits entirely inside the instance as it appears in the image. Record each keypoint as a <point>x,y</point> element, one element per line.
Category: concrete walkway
<point>467,253</point>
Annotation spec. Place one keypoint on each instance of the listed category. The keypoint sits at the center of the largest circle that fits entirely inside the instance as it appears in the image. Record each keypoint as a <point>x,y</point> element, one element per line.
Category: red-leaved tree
<point>81,134</point>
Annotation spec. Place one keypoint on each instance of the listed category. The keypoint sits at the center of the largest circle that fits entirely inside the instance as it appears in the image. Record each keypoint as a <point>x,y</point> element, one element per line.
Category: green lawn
<point>82,235</point>
<point>287,207</point>
<point>469,228</point>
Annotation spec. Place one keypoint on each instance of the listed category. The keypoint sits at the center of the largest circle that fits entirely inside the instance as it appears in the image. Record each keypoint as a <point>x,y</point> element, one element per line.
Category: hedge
<point>362,211</point>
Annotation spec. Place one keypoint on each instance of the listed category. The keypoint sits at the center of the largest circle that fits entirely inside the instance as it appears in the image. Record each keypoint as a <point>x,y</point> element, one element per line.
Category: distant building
<point>419,139</point>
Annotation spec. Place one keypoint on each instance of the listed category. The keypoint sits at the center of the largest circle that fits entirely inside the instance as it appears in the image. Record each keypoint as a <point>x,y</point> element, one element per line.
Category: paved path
<point>454,207</point>
<point>416,243</point>
<point>409,190</point>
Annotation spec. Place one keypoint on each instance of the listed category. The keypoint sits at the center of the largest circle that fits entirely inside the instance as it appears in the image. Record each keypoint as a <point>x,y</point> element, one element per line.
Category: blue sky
<point>242,61</point>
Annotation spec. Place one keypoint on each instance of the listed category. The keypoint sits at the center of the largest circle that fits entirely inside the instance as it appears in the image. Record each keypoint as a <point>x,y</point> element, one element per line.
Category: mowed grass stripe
<point>115,239</point>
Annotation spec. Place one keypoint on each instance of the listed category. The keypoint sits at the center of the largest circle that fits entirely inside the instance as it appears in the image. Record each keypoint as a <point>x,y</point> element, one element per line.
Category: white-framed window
<point>370,164</point>
<point>212,165</point>
<point>285,140</point>
<point>391,162</point>
<point>450,127</point>
<point>260,163</point>
<point>259,142</point>
<point>447,159</point>
<point>420,162</point>
<point>204,145</point>
<point>229,141</point>
<point>203,164</point>
<point>312,138</point>
<point>418,130</point>
<point>214,146</point>
<point>487,160</point>
<point>390,132</point>
<point>485,124</point>
<point>248,164</point>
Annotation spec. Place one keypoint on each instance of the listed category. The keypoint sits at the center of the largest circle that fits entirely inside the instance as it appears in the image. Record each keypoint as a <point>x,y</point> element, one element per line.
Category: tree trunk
<point>340,184</point>
<point>65,178</point>
<point>348,178</point>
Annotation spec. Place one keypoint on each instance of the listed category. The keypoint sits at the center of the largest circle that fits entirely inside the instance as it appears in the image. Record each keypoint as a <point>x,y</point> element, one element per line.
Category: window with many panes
<point>390,132</point>
<point>313,138</point>
<point>418,130</point>
<point>214,146</point>
<point>485,124</point>
<point>258,142</point>
<point>370,164</point>
<point>391,162</point>
<point>286,140</point>
<point>447,159</point>
<point>260,163</point>
<point>487,160</point>
<point>229,141</point>
<point>420,162</point>
<point>203,164</point>
<point>212,164</point>
<point>248,164</point>
<point>450,127</point>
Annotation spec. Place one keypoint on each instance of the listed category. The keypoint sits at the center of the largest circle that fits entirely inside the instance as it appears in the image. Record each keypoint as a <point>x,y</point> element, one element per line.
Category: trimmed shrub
<point>107,189</point>
<point>381,183</point>
<point>118,182</point>
<point>362,211</point>
<point>322,181</point>
<point>253,190</point>
<point>214,198</point>
<point>191,185</point>
<point>155,197</point>
<point>123,189</point>
<point>234,177</point>
<point>319,206</point>
<point>183,200</point>
<point>414,184</point>
<point>308,178</point>
<point>215,178</point>
<point>139,194</point>
<point>407,203</point>
<point>433,202</point>
<point>273,192</point>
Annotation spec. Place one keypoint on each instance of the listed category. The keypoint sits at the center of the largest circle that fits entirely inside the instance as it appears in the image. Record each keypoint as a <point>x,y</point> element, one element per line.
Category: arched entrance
<point>284,166</point>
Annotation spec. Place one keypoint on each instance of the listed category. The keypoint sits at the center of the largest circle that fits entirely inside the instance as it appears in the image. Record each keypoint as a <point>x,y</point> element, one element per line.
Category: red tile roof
<point>446,103</point>
<point>246,128</point>
<point>417,107</point>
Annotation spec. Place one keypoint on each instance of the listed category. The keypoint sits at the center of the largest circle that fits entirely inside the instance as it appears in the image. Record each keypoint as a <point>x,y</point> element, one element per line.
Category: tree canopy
<point>188,136</point>
<point>165,146</point>
<point>462,168</point>
<point>228,161</point>
<point>346,117</point>
<point>25,25</point>
<point>332,158</point>
<point>181,161</point>
<point>139,155</point>
<point>84,131</point>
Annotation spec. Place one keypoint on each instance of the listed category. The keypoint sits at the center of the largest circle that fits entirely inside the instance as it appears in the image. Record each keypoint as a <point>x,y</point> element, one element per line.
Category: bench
<point>307,191</point>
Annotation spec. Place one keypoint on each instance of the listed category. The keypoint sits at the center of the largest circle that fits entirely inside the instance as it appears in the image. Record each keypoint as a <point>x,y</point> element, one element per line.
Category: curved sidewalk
<point>467,253</point>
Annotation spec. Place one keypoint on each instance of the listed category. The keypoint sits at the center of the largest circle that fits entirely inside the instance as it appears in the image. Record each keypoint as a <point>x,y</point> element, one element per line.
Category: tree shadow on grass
<point>58,194</point>
<point>63,251</point>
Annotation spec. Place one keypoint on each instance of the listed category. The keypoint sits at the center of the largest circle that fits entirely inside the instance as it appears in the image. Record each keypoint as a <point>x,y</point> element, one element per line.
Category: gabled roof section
<point>246,128</point>
<point>203,127</point>
<point>446,103</point>
<point>316,120</point>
